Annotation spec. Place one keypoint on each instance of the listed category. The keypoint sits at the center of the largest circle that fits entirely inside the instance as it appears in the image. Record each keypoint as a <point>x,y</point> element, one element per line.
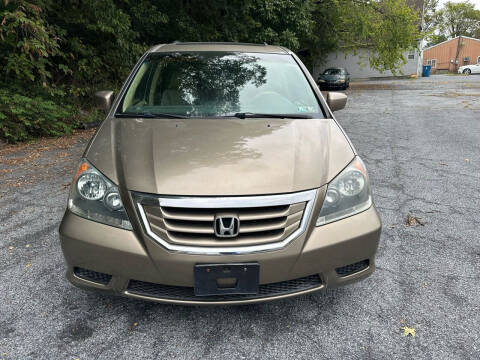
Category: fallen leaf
<point>402,321</point>
<point>444,164</point>
<point>28,265</point>
<point>424,284</point>
<point>413,220</point>
<point>27,246</point>
<point>408,331</point>
<point>10,248</point>
<point>135,324</point>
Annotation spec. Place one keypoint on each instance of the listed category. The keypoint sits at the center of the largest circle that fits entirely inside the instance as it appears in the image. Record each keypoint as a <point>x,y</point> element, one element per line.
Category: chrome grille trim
<point>228,202</point>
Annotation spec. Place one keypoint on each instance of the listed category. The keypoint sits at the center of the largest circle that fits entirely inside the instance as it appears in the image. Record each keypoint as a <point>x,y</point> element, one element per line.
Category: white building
<point>359,68</point>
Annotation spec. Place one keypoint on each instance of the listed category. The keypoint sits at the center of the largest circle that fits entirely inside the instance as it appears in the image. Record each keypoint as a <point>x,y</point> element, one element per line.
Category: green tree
<point>457,19</point>
<point>430,22</point>
<point>387,28</point>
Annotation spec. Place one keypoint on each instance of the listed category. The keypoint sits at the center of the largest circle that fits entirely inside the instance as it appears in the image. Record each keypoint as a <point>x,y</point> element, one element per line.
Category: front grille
<point>187,293</point>
<point>265,222</point>
<point>94,276</point>
<point>352,268</point>
<point>194,226</point>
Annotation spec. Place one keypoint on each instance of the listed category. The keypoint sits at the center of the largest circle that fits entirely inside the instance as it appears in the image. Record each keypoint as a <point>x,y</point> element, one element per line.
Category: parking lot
<point>420,140</point>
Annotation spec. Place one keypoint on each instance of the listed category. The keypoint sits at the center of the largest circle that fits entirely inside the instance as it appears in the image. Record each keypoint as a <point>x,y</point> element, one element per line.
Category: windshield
<point>333,72</point>
<point>210,84</point>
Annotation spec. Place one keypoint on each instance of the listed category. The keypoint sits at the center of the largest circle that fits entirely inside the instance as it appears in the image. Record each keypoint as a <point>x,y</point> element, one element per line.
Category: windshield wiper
<point>150,115</point>
<point>245,115</point>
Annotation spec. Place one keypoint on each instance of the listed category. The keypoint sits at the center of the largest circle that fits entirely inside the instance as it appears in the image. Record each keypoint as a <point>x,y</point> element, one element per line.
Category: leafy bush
<point>23,117</point>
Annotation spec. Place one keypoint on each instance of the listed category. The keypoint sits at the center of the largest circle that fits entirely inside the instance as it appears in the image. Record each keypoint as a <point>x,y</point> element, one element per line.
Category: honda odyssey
<point>219,176</point>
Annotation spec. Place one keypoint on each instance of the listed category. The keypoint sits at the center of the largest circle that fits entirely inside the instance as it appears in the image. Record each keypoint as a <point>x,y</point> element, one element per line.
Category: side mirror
<point>104,99</point>
<point>336,101</point>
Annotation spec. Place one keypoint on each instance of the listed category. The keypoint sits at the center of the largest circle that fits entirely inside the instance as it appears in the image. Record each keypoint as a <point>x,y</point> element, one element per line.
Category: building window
<point>411,55</point>
<point>434,63</point>
<point>429,62</point>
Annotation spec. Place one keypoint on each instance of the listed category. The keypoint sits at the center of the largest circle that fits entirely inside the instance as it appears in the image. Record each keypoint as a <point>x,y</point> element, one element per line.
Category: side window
<point>135,95</point>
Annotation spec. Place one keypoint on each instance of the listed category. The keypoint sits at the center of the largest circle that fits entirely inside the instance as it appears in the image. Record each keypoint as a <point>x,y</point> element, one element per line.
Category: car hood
<point>219,156</point>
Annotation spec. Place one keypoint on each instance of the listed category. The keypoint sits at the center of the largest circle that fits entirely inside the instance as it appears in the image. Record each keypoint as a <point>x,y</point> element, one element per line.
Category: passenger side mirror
<point>104,99</point>
<point>336,101</point>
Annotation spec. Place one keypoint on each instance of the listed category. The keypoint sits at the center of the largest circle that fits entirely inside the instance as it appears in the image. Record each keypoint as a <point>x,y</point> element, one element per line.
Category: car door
<point>475,69</point>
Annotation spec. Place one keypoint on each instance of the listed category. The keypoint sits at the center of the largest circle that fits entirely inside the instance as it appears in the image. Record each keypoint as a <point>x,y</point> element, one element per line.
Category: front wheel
<point>467,71</point>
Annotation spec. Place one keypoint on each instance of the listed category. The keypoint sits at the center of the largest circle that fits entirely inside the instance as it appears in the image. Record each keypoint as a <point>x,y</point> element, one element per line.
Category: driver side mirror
<point>104,99</point>
<point>336,101</point>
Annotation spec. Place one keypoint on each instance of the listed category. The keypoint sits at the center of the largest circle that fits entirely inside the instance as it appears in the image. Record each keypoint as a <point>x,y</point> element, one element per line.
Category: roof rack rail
<point>217,43</point>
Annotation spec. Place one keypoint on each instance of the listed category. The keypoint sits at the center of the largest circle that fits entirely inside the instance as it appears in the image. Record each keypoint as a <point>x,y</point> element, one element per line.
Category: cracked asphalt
<point>420,140</point>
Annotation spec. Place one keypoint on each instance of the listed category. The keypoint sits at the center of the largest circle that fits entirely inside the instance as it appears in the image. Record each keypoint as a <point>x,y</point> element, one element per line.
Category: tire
<point>467,71</point>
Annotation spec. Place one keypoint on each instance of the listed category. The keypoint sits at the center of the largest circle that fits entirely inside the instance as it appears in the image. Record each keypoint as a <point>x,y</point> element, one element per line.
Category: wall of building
<point>358,66</point>
<point>445,54</point>
<point>471,49</point>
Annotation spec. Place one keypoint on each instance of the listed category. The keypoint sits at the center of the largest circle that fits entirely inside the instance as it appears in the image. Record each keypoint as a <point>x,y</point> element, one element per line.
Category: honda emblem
<point>227,226</point>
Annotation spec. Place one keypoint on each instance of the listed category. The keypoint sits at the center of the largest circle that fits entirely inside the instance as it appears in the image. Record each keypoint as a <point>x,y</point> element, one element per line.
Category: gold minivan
<point>219,176</point>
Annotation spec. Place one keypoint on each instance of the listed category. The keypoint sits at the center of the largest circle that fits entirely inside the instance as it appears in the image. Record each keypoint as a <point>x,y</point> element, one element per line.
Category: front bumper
<point>125,259</point>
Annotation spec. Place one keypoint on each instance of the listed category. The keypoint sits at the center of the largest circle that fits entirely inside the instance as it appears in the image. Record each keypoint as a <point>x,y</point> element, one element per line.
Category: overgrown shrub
<point>23,117</point>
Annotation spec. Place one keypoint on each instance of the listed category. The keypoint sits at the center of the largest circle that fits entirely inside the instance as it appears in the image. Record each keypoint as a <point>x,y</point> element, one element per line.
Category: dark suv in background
<point>334,78</point>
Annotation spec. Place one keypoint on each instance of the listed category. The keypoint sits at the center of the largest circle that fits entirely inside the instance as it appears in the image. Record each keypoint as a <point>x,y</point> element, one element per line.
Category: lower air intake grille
<point>94,276</point>
<point>352,268</point>
<point>187,293</point>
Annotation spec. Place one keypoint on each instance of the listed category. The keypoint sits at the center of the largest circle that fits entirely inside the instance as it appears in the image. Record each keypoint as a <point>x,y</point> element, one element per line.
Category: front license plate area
<point>226,279</point>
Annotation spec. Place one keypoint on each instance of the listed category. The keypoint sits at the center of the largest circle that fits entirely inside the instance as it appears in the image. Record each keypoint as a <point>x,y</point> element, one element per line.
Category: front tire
<point>467,72</point>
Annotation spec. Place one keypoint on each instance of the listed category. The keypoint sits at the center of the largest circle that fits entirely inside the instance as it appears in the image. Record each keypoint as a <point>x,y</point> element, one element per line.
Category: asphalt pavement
<point>420,140</point>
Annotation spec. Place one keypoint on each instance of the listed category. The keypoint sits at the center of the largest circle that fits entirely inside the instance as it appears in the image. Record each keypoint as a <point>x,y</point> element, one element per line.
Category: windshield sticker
<point>308,109</point>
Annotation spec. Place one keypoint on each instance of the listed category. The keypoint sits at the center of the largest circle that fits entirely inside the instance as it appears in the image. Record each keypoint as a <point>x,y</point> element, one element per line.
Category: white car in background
<point>469,69</point>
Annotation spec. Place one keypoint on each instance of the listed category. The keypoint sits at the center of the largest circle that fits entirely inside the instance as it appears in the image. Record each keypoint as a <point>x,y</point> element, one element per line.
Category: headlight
<point>94,197</point>
<point>348,194</point>
<point>342,80</point>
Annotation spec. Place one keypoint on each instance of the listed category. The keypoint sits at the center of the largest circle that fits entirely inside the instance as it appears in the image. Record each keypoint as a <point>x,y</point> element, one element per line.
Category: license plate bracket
<point>244,278</point>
